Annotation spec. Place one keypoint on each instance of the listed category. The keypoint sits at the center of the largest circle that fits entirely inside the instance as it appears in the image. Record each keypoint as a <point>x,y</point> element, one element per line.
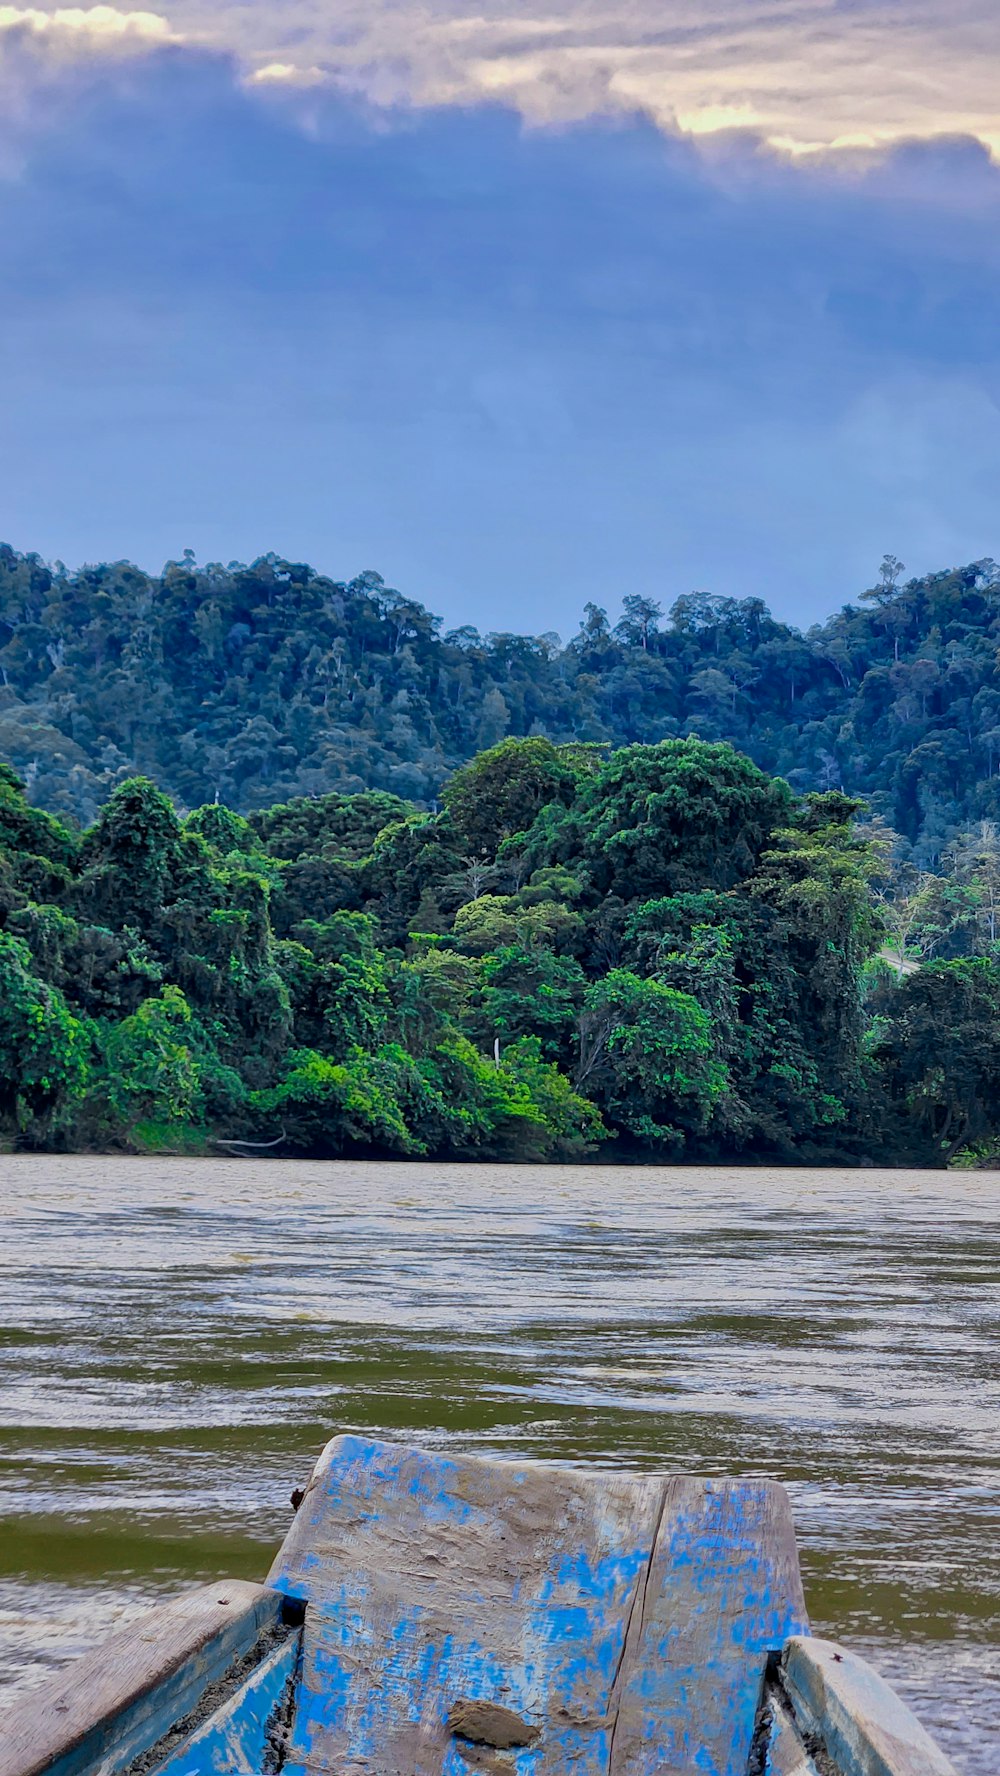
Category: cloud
<point>512,368</point>
<point>104,26</point>
<point>286,74</point>
<point>803,74</point>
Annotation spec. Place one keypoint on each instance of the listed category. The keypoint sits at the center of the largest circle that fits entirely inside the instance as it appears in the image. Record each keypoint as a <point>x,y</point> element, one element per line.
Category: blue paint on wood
<point>431,1580</point>
<point>232,1742</point>
<point>113,1741</point>
<point>724,1592</point>
<point>415,1677</point>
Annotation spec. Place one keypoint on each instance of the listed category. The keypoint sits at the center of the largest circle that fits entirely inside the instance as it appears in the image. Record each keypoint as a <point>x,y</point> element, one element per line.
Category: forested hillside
<point>660,953</point>
<point>252,685</point>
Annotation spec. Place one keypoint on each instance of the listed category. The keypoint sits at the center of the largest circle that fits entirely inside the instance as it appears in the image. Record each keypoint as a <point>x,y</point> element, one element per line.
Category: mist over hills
<point>253,684</point>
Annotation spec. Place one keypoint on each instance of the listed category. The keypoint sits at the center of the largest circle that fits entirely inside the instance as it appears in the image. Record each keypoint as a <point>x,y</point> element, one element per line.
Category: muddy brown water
<point>178,1338</point>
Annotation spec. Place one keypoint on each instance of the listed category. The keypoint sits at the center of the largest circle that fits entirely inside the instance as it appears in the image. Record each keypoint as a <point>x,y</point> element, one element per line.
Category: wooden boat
<point>433,1616</point>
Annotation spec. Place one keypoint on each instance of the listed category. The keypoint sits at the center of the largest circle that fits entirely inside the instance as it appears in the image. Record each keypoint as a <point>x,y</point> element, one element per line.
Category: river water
<point>178,1338</point>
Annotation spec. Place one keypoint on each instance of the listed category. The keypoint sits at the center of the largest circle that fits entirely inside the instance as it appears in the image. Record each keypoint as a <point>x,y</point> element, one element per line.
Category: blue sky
<point>521,309</point>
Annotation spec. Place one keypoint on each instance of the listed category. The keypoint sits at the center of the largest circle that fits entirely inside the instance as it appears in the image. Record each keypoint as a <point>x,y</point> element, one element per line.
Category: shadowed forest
<point>253,685</point>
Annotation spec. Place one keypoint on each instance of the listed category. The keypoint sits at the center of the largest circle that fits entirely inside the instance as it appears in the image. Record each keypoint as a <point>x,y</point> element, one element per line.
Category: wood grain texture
<point>118,1701</point>
<point>786,1754</point>
<point>235,1739</point>
<point>723,1592</point>
<point>863,1725</point>
<point>433,1581</point>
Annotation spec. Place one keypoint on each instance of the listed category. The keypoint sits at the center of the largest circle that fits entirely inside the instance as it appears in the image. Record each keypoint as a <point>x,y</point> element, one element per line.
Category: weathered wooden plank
<point>786,1754</point>
<point>432,1581</point>
<point>236,1738</point>
<point>862,1724</point>
<point>118,1701</point>
<point>723,1591</point>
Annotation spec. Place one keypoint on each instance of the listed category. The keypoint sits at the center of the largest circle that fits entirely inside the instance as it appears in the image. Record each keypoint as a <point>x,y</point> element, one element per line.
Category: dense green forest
<point>253,685</point>
<point>657,952</point>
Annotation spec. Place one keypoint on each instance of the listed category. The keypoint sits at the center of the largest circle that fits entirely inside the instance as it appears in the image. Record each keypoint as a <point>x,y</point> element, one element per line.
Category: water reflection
<point>178,1339</point>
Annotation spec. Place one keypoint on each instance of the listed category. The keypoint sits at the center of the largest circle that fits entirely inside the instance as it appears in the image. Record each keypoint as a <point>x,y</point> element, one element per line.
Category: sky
<point>521,306</point>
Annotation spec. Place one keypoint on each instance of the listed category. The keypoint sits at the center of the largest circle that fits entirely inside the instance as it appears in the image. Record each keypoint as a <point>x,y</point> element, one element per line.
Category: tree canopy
<point>664,952</point>
<point>281,862</point>
<point>268,683</point>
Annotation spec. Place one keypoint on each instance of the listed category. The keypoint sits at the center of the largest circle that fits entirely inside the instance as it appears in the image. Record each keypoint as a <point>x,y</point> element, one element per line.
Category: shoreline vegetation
<point>658,954</point>
<point>284,869</point>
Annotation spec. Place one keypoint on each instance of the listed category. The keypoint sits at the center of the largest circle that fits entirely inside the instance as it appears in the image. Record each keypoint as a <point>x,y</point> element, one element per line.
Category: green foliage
<point>273,690</point>
<point>452,1101</point>
<point>565,1125</point>
<point>531,992</point>
<point>677,816</point>
<point>37,852</point>
<point>405,873</point>
<point>147,1071</point>
<point>667,948</point>
<point>759,972</point>
<point>646,1052</point>
<point>130,854</point>
<point>28,832</point>
<point>328,1107</point>
<point>522,1108</point>
<point>817,878</point>
<point>316,843</point>
<point>435,990</point>
<point>938,1048</point>
<point>339,995</point>
<point>331,825</point>
<point>503,790</point>
<point>495,920</point>
<point>221,828</point>
<point>42,1046</point>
